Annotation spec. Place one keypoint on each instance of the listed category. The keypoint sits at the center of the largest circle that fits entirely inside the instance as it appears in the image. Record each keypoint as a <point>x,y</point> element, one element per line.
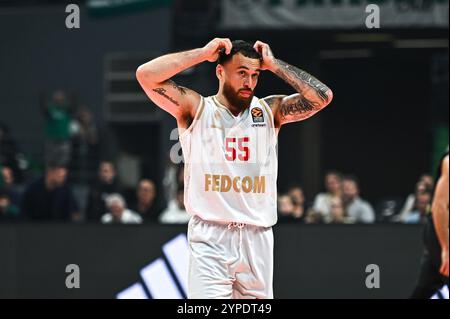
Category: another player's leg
<point>430,280</point>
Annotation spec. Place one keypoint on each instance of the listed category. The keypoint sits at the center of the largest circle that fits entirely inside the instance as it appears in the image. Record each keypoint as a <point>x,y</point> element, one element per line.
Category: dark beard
<point>239,103</point>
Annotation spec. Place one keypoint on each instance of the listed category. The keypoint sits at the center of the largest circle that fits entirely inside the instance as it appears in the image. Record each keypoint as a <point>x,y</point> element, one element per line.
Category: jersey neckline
<point>240,116</point>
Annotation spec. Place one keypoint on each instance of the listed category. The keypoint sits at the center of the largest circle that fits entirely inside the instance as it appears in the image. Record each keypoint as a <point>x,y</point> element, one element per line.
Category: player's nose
<point>248,83</point>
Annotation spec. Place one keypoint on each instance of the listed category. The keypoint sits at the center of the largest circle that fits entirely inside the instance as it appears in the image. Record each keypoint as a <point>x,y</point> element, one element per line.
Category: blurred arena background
<point>80,143</point>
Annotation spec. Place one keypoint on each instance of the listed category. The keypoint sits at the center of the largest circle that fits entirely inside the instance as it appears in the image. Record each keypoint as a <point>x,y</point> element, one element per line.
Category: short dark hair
<point>294,185</point>
<point>53,165</point>
<point>335,173</point>
<point>351,178</point>
<point>239,46</point>
<point>102,162</point>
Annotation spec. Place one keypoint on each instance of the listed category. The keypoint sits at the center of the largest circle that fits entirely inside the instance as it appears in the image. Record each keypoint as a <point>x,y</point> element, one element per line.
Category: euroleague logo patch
<point>257,115</point>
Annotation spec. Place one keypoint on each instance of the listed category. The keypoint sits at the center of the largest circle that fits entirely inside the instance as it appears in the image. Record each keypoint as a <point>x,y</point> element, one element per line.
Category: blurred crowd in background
<point>73,162</point>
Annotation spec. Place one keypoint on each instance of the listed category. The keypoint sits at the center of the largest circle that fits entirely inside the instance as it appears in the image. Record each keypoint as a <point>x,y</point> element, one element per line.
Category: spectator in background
<point>424,184</point>
<point>358,210</point>
<point>333,187</point>
<point>106,184</point>
<point>428,180</point>
<point>8,211</point>
<point>171,179</point>
<point>9,154</point>
<point>313,217</point>
<point>118,212</point>
<point>285,209</point>
<point>298,199</point>
<point>146,203</point>
<point>85,144</point>
<point>296,192</point>
<point>2,181</point>
<point>421,206</point>
<point>337,211</point>
<point>84,127</point>
<point>9,184</point>
<point>58,120</point>
<point>50,198</point>
<point>175,212</point>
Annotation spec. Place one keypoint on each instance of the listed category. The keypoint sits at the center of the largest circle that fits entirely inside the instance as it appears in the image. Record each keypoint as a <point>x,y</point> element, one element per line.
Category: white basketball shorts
<point>229,261</point>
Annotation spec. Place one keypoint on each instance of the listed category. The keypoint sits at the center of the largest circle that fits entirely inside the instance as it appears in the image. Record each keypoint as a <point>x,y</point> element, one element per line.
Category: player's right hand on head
<point>212,49</point>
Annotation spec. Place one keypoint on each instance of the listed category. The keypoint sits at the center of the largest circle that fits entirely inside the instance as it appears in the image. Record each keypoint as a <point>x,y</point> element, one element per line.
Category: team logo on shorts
<point>257,115</point>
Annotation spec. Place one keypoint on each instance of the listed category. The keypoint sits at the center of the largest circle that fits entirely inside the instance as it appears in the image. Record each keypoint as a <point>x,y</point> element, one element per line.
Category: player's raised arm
<point>440,214</point>
<point>311,97</point>
<point>155,78</point>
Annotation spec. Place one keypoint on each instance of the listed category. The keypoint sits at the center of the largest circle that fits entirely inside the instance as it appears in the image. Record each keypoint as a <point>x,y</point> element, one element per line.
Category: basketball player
<point>434,268</point>
<point>229,146</point>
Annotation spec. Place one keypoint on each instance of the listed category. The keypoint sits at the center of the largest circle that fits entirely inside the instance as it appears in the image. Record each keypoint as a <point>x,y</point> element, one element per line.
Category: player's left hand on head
<point>267,55</point>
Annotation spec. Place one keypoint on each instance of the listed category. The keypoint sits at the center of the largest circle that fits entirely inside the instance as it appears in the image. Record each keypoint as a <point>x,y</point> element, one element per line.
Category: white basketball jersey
<point>231,164</point>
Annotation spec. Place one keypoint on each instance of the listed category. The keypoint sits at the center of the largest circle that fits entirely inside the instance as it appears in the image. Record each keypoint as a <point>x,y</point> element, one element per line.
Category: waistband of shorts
<point>229,224</point>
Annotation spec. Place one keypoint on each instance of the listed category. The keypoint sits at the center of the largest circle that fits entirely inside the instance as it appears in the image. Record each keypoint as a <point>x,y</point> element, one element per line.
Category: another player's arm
<point>311,97</point>
<point>440,213</point>
<point>155,78</point>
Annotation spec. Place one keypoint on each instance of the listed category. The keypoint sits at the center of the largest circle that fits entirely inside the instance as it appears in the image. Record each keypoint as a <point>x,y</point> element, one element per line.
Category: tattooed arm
<point>311,97</point>
<point>155,78</point>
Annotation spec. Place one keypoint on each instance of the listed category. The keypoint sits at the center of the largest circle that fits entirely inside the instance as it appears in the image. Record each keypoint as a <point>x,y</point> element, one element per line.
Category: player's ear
<point>219,71</point>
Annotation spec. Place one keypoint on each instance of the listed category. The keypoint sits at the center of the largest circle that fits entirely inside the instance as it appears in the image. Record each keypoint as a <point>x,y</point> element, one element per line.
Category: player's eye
<point>255,76</point>
<point>242,73</point>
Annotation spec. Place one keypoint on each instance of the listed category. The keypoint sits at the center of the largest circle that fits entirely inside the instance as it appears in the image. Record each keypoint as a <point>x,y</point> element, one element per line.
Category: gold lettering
<point>259,185</point>
<point>216,182</point>
<point>247,184</point>
<point>225,183</point>
<point>207,182</point>
<point>235,186</point>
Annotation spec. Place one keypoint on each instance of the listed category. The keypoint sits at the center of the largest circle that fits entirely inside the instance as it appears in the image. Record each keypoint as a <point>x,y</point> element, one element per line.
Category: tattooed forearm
<point>301,80</point>
<point>299,107</point>
<point>163,92</point>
